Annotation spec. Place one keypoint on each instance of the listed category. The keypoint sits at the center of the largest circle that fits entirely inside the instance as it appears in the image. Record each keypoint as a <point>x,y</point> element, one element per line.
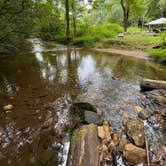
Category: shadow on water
<point>42,85</point>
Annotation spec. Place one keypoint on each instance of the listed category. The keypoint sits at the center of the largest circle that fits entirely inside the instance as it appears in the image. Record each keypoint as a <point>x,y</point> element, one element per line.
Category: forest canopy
<point>72,20</point>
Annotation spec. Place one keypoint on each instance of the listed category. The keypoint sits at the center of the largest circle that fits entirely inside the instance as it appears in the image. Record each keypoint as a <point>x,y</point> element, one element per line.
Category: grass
<point>135,30</point>
<point>158,54</point>
<point>132,42</point>
<point>144,39</point>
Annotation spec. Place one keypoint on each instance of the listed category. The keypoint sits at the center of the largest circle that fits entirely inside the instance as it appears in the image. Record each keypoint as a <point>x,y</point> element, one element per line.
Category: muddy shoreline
<point>134,53</point>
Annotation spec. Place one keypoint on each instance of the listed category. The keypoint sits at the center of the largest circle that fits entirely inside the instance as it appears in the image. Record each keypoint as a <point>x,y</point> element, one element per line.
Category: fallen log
<point>147,84</point>
<point>84,147</point>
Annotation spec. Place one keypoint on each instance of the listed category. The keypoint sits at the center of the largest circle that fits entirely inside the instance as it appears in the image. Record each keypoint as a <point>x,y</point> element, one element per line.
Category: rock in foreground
<point>134,154</point>
<point>85,144</point>
<point>135,132</point>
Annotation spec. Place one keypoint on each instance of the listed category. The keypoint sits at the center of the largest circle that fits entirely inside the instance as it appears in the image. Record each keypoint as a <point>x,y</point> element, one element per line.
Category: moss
<point>77,134</point>
<point>92,126</point>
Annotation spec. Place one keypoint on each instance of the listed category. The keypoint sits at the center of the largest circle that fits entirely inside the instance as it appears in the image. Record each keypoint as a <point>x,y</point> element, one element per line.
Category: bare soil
<point>134,53</point>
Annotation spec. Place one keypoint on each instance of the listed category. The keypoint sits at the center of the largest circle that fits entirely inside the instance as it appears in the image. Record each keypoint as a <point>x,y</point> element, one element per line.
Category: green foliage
<point>158,54</point>
<point>133,30</point>
<point>87,41</point>
<point>92,34</point>
<point>163,37</point>
<point>49,26</point>
<point>16,21</point>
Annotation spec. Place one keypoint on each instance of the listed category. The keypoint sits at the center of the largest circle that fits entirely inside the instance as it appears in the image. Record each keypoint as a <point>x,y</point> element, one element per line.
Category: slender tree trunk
<point>125,23</point>
<point>67,21</point>
<point>74,18</point>
<point>125,15</point>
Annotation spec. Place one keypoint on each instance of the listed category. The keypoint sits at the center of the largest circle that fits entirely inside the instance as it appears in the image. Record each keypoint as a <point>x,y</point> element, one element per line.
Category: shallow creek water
<point>45,82</point>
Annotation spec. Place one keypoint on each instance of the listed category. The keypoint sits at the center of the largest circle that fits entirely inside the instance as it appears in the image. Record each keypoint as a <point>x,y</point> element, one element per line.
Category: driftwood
<point>84,147</point>
<point>147,84</point>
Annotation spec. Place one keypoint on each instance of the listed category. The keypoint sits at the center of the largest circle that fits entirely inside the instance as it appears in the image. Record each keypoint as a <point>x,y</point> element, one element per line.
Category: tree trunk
<point>67,20</point>
<point>125,15</point>
<point>125,23</point>
<point>148,84</point>
<point>74,18</point>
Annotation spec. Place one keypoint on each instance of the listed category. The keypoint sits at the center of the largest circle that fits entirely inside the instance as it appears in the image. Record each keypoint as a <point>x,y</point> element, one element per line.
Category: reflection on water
<point>44,84</point>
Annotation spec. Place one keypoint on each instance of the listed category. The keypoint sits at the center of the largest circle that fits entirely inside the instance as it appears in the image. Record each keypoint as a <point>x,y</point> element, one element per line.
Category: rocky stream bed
<point>64,106</point>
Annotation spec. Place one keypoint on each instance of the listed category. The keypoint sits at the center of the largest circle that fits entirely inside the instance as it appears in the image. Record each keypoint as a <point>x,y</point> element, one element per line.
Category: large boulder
<point>135,132</point>
<point>135,155</point>
<point>84,147</point>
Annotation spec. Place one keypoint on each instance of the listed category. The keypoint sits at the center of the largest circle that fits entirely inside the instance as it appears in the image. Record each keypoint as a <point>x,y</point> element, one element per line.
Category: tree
<point>126,10</point>
<point>67,21</point>
<point>16,17</point>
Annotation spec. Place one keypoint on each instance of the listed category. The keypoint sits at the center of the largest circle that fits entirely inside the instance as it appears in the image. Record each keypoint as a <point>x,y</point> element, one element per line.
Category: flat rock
<point>85,147</point>
<point>134,154</point>
<point>92,117</point>
<point>135,132</point>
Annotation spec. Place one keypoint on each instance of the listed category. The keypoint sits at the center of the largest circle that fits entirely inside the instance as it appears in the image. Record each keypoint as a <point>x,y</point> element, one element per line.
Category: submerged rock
<point>134,154</point>
<point>135,132</point>
<point>85,106</point>
<point>92,117</point>
<point>8,107</point>
<point>82,102</point>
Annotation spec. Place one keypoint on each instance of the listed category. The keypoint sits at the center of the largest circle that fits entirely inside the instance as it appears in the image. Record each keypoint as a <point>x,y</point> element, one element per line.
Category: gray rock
<point>92,117</point>
<point>135,132</point>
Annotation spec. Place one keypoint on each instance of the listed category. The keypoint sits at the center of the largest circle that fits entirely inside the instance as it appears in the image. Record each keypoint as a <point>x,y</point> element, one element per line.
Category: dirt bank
<point>134,53</point>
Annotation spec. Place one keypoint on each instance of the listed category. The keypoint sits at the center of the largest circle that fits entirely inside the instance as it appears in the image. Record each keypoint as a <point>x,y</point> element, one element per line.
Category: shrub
<point>86,41</point>
<point>133,30</point>
<point>158,54</point>
<point>94,33</point>
<point>163,37</point>
<point>115,27</point>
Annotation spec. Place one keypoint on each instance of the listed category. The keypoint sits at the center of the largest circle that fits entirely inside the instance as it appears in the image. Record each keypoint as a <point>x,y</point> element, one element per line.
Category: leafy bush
<point>133,30</point>
<point>115,27</point>
<point>163,37</point>
<point>158,54</point>
<point>87,41</point>
<point>91,34</point>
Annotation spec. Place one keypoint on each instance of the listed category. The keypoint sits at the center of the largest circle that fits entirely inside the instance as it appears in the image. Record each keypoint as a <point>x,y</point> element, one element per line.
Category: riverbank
<point>134,53</point>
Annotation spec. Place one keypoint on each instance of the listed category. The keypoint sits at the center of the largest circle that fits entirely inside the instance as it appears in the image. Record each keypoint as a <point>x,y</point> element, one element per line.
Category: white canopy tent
<point>160,21</point>
<point>156,23</point>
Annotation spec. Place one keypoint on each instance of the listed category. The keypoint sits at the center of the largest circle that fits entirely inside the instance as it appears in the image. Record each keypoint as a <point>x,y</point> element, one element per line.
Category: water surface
<point>44,83</point>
